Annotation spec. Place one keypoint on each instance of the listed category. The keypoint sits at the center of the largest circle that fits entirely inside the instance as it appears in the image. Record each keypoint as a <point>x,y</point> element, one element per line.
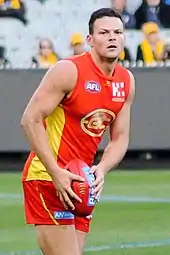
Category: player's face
<point>108,37</point>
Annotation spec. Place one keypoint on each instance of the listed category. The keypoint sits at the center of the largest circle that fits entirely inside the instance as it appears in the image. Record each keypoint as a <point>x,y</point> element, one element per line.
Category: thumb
<point>93,169</point>
<point>77,177</point>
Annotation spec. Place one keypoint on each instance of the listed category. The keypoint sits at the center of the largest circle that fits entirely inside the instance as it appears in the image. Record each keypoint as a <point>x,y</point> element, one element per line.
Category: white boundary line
<point>130,199</point>
<point>132,245</point>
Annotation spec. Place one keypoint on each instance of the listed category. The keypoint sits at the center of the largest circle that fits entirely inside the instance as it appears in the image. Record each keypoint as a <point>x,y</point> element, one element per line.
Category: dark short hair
<point>100,13</point>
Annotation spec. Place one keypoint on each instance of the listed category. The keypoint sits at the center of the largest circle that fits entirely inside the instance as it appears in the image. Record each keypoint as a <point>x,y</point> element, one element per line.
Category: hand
<point>99,182</point>
<point>62,182</point>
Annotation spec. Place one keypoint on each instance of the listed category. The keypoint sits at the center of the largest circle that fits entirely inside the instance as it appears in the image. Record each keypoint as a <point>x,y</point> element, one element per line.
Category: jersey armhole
<point>72,94</point>
<point>128,85</point>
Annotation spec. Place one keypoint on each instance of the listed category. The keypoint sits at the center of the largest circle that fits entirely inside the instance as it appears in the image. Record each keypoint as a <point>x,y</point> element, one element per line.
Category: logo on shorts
<point>92,86</point>
<point>63,215</point>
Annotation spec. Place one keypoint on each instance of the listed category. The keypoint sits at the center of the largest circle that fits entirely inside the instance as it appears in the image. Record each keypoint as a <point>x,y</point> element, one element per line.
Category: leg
<point>55,228</point>
<point>81,239</point>
<point>82,225</point>
<point>57,240</point>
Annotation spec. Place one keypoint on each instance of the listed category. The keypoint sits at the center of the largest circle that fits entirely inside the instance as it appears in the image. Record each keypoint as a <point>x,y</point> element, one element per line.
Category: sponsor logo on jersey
<point>92,86</point>
<point>118,93</point>
<point>96,122</point>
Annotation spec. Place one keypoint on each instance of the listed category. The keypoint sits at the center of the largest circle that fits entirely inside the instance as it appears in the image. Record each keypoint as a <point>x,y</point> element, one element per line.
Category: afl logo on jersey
<point>92,86</point>
<point>96,122</point>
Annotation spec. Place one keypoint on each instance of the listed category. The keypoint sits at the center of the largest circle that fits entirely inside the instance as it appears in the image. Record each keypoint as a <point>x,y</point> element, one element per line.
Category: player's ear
<point>89,40</point>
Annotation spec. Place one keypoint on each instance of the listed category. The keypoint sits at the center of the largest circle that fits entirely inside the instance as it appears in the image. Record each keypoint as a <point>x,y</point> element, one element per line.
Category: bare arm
<point>56,83</point>
<point>119,134</point>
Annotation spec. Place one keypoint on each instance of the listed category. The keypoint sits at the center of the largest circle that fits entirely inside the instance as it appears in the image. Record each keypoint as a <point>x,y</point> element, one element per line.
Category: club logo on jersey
<point>96,122</point>
<point>93,87</point>
<point>118,92</point>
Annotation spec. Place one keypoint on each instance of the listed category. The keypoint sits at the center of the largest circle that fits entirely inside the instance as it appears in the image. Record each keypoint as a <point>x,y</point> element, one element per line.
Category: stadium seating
<point>54,20</point>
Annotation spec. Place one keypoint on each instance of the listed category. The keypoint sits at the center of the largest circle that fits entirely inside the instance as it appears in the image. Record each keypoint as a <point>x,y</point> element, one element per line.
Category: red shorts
<point>43,207</point>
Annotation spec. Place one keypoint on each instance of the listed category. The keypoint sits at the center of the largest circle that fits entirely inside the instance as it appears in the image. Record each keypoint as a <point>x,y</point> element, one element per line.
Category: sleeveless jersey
<point>77,125</point>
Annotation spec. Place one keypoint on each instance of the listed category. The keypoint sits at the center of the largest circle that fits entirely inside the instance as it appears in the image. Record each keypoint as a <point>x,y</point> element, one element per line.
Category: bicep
<point>53,87</point>
<point>121,125</point>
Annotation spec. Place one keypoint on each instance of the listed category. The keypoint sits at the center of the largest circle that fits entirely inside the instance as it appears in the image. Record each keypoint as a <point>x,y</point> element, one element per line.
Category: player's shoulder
<point>125,72</point>
<point>80,57</point>
<point>129,79</point>
<point>63,69</point>
<point>63,74</point>
<point>80,60</point>
<point>132,78</point>
<point>131,86</point>
<point>66,71</point>
<point>121,68</point>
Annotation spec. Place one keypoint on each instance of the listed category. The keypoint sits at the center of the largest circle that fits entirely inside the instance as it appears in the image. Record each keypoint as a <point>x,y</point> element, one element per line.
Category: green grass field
<point>133,217</point>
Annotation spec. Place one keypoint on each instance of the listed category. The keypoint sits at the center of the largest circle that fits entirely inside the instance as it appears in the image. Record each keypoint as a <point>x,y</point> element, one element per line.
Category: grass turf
<point>114,223</point>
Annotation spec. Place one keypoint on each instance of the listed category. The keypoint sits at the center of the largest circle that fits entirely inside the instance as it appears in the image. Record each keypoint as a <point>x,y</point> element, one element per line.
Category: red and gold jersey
<point>77,125</point>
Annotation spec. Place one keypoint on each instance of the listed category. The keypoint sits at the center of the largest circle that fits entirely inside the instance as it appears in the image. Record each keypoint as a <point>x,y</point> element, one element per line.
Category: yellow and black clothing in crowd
<point>125,56</point>
<point>13,9</point>
<point>41,61</point>
<point>150,50</point>
<point>46,56</point>
<point>13,4</point>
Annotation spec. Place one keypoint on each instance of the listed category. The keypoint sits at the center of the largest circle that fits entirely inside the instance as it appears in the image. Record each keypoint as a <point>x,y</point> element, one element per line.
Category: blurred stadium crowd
<point>37,33</point>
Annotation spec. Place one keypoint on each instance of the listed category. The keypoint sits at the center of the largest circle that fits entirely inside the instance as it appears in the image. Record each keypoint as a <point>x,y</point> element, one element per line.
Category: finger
<point>97,181</point>
<point>77,177</point>
<point>62,201</point>
<point>73,195</point>
<point>67,200</point>
<point>98,187</point>
<point>93,169</point>
<point>99,195</point>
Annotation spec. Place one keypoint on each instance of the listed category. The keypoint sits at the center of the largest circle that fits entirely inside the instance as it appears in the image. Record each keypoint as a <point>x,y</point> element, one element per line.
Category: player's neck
<point>106,66</point>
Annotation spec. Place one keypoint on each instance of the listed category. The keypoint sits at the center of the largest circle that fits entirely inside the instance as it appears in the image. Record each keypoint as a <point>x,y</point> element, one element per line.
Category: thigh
<point>42,205</point>
<point>55,228</point>
<point>82,225</point>
<point>57,240</point>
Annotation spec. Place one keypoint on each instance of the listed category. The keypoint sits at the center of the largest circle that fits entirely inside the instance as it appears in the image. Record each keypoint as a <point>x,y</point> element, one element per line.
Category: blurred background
<point>34,35</point>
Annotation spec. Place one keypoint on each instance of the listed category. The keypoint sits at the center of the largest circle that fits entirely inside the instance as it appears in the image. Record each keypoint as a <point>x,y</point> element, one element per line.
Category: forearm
<point>113,154</point>
<point>36,135</point>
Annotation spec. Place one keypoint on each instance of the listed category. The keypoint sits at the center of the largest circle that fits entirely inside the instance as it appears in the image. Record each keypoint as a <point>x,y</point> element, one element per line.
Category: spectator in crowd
<point>151,48</point>
<point>128,19</point>
<point>46,56</point>
<point>42,1</point>
<point>157,11</point>
<point>166,51</point>
<point>125,56</point>
<point>132,6</point>
<point>77,44</point>
<point>13,9</point>
<point>4,63</point>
